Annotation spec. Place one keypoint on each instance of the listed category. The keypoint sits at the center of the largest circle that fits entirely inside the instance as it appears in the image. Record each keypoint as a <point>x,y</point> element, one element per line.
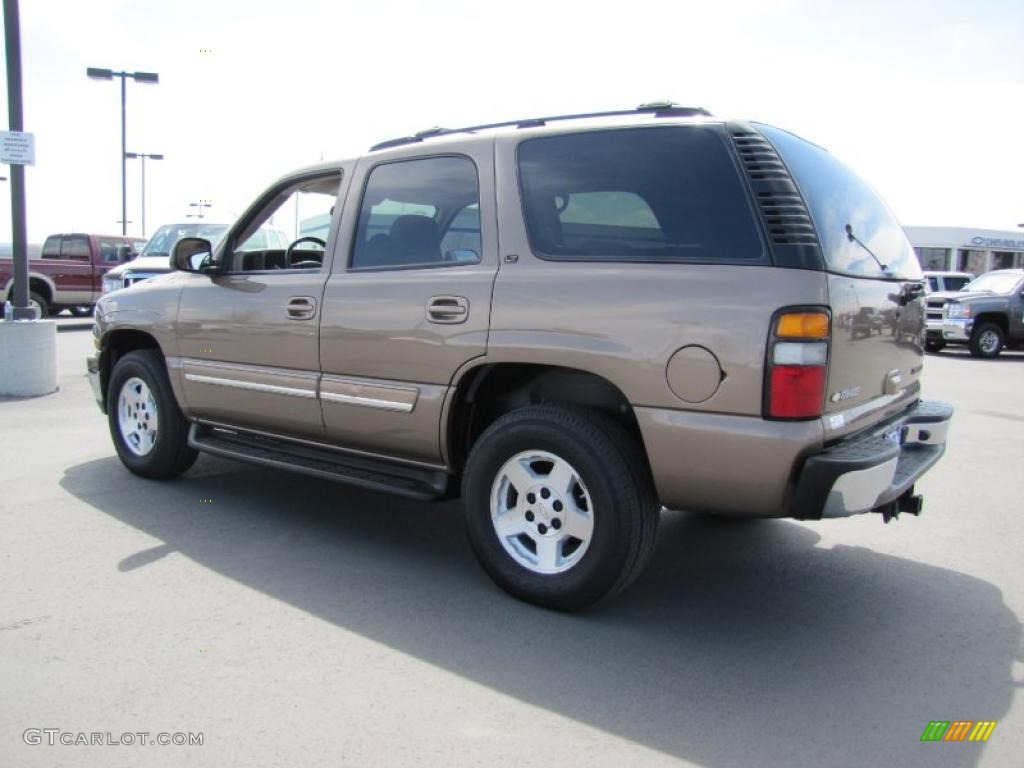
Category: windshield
<point>994,282</point>
<point>161,243</point>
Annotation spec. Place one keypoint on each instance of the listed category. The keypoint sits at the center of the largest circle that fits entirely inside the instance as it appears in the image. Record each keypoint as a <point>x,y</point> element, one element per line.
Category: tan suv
<point>570,321</point>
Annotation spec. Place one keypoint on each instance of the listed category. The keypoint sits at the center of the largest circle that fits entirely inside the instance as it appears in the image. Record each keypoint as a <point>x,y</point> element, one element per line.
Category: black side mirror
<point>193,254</point>
<point>125,253</point>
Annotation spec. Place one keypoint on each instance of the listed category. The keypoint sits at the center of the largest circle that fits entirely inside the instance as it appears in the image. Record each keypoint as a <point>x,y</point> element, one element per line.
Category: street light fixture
<point>142,156</point>
<point>200,205</point>
<point>97,73</point>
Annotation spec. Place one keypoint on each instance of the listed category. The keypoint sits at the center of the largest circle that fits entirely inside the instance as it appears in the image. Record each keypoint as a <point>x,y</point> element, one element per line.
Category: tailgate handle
<point>301,307</point>
<point>447,309</point>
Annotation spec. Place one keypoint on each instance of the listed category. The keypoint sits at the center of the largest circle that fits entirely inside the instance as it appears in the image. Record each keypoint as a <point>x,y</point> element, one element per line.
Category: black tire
<point>934,345</point>
<point>987,341</point>
<point>44,306</point>
<point>83,311</point>
<point>170,454</point>
<point>614,471</point>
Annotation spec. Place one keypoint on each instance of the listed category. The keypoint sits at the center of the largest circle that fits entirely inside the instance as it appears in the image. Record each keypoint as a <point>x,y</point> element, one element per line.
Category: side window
<point>956,283</point>
<point>269,240</point>
<point>608,221</point>
<point>419,213</point>
<point>108,251</point>
<point>51,248</point>
<point>75,247</point>
<point>637,194</point>
<point>461,241</point>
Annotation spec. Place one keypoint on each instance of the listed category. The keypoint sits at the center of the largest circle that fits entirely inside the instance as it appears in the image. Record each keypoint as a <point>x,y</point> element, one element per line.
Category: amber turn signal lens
<point>802,325</point>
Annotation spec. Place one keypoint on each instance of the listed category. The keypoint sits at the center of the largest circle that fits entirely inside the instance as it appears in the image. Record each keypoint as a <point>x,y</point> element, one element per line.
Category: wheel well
<point>993,317</point>
<point>491,391</point>
<point>35,285</point>
<point>115,346</point>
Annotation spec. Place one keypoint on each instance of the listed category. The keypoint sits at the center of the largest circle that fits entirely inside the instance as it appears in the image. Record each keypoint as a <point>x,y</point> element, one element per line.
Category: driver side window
<point>290,231</point>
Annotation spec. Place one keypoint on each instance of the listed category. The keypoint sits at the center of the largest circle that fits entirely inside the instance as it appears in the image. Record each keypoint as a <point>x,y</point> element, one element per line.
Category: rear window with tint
<point>75,248</point>
<point>836,196</point>
<point>642,194</point>
<point>51,248</point>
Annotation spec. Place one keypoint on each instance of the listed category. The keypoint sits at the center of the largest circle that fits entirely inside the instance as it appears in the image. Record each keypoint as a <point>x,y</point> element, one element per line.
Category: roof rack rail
<point>658,108</point>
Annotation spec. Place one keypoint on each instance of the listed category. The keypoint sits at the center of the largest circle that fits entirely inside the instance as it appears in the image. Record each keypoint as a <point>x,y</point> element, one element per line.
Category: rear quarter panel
<point>625,321</point>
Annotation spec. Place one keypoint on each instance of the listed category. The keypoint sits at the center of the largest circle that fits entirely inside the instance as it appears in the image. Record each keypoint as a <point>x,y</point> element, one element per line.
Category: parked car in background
<point>935,282</point>
<point>69,271</point>
<point>987,314</point>
<point>154,259</point>
<point>938,286</point>
<point>659,321</point>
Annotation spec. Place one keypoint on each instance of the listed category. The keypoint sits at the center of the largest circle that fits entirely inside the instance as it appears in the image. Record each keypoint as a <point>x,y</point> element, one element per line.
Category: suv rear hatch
<point>875,290</point>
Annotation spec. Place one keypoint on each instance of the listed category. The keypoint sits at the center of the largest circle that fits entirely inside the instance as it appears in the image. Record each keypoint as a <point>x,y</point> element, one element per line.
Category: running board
<point>375,474</point>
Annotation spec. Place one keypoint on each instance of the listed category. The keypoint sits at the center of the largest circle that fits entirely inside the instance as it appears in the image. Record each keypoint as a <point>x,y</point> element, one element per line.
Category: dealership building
<point>963,249</point>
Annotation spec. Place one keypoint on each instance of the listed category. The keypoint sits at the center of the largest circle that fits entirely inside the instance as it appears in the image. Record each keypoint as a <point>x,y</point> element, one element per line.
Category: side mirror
<point>193,254</point>
<point>125,253</point>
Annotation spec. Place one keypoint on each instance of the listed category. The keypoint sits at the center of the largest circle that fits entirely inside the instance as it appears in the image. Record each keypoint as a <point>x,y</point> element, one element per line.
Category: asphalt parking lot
<point>298,622</point>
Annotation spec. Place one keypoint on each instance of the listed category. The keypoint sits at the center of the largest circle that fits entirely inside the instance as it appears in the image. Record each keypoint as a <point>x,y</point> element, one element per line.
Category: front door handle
<point>447,309</point>
<point>301,307</point>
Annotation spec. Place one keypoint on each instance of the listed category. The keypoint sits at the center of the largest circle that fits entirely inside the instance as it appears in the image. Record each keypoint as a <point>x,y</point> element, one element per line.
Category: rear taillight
<point>797,365</point>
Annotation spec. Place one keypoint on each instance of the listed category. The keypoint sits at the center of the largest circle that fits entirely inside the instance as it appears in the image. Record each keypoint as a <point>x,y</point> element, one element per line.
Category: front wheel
<point>934,345</point>
<point>560,507</point>
<point>149,431</point>
<point>987,340</point>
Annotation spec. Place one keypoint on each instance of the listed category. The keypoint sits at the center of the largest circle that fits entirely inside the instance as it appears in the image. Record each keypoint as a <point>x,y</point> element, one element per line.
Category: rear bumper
<point>871,470</point>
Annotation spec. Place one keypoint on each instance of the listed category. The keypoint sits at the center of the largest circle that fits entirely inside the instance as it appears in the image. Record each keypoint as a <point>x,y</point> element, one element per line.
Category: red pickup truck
<point>69,272</point>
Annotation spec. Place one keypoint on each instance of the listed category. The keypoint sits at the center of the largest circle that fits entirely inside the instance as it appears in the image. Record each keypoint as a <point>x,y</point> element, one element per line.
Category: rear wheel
<point>987,340</point>
<point>82,311</point>
<point>560,507</point>
<point>149,431</point>
<point>36,300</point>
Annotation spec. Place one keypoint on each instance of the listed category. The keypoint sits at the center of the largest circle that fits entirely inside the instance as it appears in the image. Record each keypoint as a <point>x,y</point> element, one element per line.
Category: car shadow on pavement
<point>744,643</point>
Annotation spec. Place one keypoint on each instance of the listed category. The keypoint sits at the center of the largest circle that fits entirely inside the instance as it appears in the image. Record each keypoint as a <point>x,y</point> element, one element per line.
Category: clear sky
<point>924,99</point>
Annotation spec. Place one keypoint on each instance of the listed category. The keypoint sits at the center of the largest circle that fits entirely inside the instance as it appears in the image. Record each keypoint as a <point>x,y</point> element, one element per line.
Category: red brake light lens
<point>796,391</point>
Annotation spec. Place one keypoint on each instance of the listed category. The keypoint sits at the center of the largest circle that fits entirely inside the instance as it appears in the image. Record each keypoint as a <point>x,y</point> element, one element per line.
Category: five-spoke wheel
<point>137,416</point>
<point>542,512</point>
<point>149,431</point>
<point>560,507</point>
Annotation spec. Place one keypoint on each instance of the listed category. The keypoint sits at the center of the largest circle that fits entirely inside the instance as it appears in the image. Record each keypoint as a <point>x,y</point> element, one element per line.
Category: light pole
<point>200,205</point>
<point>142,156</point>
<point>139,77</point>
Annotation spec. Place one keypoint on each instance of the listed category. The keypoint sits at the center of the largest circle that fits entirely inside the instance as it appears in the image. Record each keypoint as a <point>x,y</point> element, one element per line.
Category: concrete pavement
<point>298,622</point>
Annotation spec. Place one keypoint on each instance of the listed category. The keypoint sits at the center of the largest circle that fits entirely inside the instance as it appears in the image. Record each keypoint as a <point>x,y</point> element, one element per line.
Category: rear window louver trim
<point>784,214</point>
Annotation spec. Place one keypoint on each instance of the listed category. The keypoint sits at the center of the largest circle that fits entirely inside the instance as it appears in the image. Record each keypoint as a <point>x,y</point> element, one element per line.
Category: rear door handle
<point>301,307</point>
<point>447,309</point>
